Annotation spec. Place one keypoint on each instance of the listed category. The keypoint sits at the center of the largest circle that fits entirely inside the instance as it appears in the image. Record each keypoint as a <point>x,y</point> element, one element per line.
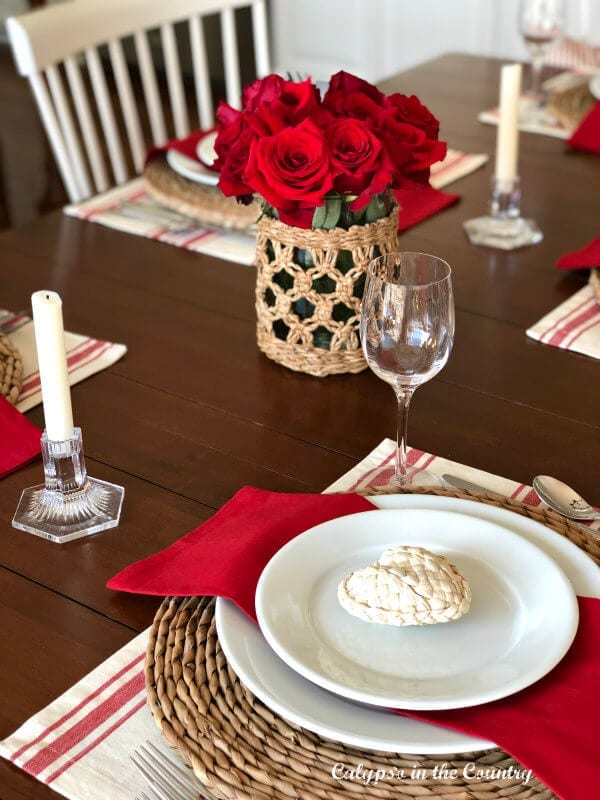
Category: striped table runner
<point>573,325</point>
<point>85,356</point>
<point>229,245</point>
<point>80,743</point>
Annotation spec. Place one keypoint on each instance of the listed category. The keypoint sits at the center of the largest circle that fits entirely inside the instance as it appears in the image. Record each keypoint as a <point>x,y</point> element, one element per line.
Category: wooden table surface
<point>194,411</point>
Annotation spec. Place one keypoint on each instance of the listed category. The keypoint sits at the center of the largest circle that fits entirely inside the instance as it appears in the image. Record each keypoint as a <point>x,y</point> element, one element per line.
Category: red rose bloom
<point>349,96</point>
<point>291,169</point>
<point>411,151</point>
<point>262,90</point>
<point>411,110</point>
<point>360,163</point>
<point>296,102</point>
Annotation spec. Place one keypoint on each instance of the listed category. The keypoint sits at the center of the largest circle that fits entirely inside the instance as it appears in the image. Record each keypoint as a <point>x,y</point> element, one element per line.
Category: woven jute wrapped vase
<point>309,286</point>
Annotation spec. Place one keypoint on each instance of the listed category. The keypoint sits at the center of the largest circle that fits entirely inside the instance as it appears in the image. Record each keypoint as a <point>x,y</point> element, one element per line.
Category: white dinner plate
<point>191,169</point>
<point>302,702</point>
<point>522,620</point>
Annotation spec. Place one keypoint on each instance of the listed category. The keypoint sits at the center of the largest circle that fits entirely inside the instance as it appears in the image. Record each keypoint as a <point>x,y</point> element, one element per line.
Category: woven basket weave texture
<point>205,203</point>
<point>241,750</point>
<point>309,286</point>
<point>11,370</point>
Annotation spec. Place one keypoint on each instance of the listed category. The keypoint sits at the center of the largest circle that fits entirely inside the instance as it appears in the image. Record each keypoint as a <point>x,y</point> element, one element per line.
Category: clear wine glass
<point>541,22</point>
<point>407,331</point>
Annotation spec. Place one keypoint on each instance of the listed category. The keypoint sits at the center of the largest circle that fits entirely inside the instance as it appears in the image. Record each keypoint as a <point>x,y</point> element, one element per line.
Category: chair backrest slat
<point>86,124</point>
<point>174,82</point>
<point>151,93</point>
<point>128,107</point>
<point>40,92</point>
<point>70,136</point>
<point>107,118</point>
<point>201,76</point>
<point>261,38</point>
<point>231,62</point>
<point>97,120</point>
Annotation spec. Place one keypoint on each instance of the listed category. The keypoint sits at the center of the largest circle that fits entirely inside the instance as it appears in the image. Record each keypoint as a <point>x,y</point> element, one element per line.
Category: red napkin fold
<point>187,146</point>
<point>550,727</point>
<point>417,205</point>
<point>588,256</point>
<point>19,438</point>
<point>226,555</point>
<point>587,135</point>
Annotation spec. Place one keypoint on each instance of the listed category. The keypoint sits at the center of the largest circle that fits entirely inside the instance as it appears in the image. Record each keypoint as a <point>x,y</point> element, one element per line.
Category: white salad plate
<point>522,620</point>
<point>302,702</point>
<point>191,169</point>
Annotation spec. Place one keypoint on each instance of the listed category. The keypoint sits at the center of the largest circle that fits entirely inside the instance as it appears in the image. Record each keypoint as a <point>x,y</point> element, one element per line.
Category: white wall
<point>377,38</point>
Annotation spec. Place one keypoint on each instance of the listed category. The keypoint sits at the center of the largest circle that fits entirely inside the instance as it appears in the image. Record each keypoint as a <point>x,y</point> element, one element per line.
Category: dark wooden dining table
<point>194,411</point>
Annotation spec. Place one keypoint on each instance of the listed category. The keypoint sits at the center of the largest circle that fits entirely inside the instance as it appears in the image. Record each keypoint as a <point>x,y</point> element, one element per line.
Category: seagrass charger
<point>204,203</point>
<point>241,750</point>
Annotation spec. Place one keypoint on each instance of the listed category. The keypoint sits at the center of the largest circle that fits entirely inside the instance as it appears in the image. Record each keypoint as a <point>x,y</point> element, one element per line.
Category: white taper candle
<point>52,364</point>
<point>507,141</point>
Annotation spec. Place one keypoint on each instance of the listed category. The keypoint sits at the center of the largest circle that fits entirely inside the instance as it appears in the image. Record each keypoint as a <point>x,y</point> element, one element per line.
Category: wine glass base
<point>416,478</point>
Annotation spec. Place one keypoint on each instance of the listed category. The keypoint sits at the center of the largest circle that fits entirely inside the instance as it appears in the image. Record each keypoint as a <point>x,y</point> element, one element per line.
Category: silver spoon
<point>563,499</point>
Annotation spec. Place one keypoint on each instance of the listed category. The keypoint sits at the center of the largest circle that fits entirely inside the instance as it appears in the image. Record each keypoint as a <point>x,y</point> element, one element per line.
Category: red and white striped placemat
<point>80,743</point>
<point>573,325</point>
<point>455,166</point>
<point>85,356</point>
<point>107,209</point>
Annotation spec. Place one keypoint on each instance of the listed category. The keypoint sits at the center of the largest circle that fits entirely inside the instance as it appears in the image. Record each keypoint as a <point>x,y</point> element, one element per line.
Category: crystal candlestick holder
<point>70,504</point>
<point>504,227</point>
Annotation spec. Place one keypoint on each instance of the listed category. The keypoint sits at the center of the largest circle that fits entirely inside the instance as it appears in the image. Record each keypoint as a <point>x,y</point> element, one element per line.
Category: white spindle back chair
<point>69,33</point>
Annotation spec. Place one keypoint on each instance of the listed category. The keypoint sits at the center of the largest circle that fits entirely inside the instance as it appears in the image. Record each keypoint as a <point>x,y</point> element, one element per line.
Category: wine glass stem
<point>404,398</point>
<point>537,62</point>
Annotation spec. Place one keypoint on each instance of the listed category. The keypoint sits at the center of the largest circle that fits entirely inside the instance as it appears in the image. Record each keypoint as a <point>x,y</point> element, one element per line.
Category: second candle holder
<point>504,227</point>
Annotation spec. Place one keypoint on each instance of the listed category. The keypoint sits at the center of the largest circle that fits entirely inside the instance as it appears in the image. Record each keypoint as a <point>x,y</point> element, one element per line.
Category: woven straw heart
<point>406,586</point>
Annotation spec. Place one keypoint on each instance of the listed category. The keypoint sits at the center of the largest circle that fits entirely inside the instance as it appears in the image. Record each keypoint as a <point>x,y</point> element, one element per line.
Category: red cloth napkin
<point>588,256</point>
<point>19,438</point>
<point>187,146</point>
<point>552,726</point>
<point>417,205</point>
<point>587,135</point>
<point>549,727</point>
<point>226,555</point>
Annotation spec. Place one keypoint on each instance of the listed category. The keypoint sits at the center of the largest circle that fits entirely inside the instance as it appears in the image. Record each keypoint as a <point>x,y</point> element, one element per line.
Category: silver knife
<point>460,483</point>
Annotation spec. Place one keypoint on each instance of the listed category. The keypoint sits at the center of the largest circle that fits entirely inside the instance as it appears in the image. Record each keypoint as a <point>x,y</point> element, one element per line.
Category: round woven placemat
<point>11,370</point>
<point>241,750</point>
<point>207,204</point>
<point>572,105</point>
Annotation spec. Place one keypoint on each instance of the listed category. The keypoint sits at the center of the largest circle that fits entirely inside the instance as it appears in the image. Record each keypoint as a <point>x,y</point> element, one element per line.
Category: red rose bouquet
<point>324,162</point>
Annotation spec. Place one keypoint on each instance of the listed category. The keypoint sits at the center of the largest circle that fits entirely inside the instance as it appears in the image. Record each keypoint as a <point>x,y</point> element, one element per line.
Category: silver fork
<point>166,779</point>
